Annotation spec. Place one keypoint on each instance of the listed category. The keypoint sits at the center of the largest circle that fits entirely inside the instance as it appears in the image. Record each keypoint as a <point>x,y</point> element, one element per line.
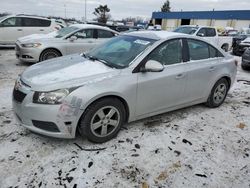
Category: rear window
<point>35,22</point>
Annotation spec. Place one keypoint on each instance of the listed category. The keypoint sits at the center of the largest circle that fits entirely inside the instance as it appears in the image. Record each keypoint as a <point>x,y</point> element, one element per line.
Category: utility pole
<point>85,10</point>
<point>64,11</point>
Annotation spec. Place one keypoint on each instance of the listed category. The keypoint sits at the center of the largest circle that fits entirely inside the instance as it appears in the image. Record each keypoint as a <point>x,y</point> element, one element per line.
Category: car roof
<point>27,16</point>
<point>157,35</point>
<point>92,26</point>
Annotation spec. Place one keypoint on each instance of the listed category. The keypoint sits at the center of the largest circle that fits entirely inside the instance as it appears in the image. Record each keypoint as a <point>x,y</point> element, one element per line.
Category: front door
<point>161,90</point>
<point>84,41</point>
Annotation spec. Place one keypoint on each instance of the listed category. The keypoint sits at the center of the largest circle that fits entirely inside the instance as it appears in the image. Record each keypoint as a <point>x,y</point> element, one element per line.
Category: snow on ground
<point>192,147</point>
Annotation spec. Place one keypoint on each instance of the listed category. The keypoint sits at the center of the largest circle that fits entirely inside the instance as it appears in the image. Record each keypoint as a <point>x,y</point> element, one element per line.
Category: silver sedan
<point>129,77</point>
<point>76,38</point>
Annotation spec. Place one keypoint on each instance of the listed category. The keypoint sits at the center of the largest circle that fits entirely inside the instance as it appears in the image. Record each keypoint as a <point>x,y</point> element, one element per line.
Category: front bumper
<point>39,117</point>
<point>30,55</point>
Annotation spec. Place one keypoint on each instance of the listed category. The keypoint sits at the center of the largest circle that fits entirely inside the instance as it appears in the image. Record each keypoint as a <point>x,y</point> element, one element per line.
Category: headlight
<point>53,97</point>
<point>31,45</point>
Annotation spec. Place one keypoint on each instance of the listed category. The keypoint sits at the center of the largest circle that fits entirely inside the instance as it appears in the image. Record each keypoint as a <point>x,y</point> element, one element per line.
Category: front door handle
<point>19,30</point>
<point>180,76</point>
<point>41,29</point>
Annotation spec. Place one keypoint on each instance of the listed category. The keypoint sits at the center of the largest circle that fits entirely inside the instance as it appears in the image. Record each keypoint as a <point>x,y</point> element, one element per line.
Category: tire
<point>218,93</point>
<point>245,67</point>
<point>95,123</point>
<point>225,47</point>
<point>49,54</point>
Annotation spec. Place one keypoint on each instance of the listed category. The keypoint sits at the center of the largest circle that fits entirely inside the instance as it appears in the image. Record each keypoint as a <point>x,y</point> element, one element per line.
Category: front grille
<point>18,95</point>
<point>47,126</point>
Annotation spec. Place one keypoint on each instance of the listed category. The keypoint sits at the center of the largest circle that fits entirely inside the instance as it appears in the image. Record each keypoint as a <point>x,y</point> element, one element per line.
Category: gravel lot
<point>192,147</point>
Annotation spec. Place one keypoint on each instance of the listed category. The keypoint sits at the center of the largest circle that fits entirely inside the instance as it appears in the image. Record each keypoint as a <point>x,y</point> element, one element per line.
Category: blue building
<point>236,19</point>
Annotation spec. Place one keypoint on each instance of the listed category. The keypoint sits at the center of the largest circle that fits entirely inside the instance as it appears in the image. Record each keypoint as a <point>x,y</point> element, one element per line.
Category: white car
<point>209,33</point>
<point>127,78</point>
<point>16,26</point>
<point>76,38</point>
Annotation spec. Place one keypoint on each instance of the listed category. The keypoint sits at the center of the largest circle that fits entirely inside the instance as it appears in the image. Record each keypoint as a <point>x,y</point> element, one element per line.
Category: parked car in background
<point>245,63</point>
<point>73,39</point>
<point>130,77</point>
<point>16,26</point>
<point>239,49</point>
<point>209,33</point>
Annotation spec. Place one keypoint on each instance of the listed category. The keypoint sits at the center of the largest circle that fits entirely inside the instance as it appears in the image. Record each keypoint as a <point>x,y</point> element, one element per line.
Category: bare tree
<point>166,7</point>
<point>102,13</point>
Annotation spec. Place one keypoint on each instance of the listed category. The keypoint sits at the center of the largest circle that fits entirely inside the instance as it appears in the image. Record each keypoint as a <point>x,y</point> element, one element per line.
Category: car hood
<point>38,37</point>
<point>66,72</point>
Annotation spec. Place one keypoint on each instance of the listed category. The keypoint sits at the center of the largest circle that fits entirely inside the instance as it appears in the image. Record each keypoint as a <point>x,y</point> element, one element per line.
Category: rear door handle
<point>180,76</point>
<point>41,29</point>
<point>19,30</point>
<point>211,69</point>
<point>90,41</point>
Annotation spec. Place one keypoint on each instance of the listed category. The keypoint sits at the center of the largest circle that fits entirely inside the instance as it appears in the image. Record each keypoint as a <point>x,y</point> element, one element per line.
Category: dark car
<point>237,48</point>
<point>246,60</point>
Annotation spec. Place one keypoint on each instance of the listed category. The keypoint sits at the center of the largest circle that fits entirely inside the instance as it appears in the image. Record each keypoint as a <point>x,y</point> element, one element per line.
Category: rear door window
<point>34,22</point>
<point>210,32</point>
<point>214,52</point>
<point>104,34</point>
<point>198,50</point>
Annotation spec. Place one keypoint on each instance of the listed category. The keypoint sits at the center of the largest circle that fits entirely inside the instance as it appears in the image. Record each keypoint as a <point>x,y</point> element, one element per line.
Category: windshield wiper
<point>83,55</point>
<point>101,60</point>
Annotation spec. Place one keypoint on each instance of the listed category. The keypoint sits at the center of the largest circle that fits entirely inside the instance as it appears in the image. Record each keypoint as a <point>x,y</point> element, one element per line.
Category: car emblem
<point>17,85</point>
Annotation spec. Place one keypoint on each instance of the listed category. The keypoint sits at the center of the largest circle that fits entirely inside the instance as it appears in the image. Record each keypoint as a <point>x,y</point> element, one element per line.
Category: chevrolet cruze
<point>129,77</point>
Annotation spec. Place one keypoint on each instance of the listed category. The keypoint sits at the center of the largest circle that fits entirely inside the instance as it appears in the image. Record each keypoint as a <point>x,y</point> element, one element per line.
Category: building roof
<point>222,15</point>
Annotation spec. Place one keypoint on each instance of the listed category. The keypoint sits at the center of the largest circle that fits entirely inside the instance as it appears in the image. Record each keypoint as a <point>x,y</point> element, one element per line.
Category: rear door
<point>35,26</point>
<point>202,68</point>
<point>85,41</point>
<point>10,30</point>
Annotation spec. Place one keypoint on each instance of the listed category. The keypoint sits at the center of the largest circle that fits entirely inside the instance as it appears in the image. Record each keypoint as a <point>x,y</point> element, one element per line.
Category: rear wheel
<point>102,120</point>
<point>49,54</point>
<point>218,93</point>
<point>244,67</point>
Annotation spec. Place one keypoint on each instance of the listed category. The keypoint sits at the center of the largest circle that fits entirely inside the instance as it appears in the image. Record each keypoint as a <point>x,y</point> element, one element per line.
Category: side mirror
<point>72,38</point>
<point>153,66</point>
<point>200,34</point>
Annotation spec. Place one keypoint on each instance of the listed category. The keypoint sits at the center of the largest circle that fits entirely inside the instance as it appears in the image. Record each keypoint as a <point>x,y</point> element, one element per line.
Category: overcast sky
<point>119,8</point>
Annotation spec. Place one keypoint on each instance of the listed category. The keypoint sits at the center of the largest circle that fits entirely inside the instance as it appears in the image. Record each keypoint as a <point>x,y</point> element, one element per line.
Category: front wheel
<point>102,120</point>
<point>49,54</point>
<point>218,93</point>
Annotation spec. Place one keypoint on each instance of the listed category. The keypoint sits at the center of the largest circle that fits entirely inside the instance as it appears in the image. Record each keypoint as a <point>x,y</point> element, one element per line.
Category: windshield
<point>65,31</point>
<point>186,30</point>
<point>120,51</point>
